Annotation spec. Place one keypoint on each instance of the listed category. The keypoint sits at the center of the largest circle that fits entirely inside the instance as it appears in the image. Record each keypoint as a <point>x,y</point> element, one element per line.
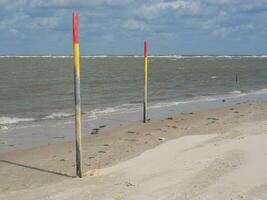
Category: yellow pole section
<point>78,116</point>
<point>77,59</point>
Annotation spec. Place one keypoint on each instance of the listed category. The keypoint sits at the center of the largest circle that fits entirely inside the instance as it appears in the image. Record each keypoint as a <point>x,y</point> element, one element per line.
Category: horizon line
<point>135,55</point>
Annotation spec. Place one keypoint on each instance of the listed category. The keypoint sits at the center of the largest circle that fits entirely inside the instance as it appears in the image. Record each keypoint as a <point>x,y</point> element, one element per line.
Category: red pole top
<point>75,21</point>
<point>145,49</point>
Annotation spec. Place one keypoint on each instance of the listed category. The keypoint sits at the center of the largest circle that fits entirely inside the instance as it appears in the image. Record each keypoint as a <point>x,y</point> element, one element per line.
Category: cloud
<point>108,21</point>
<point>78,3</point>
<point>154,10</point>
<point>133,24</point>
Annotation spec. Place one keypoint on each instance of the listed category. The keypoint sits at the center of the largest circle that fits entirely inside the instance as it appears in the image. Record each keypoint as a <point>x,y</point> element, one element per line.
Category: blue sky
<point>119,27</point>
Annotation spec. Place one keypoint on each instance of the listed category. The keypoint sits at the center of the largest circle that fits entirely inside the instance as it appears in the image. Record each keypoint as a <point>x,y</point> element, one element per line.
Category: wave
<point>59,115</point>
<point>235,92</point>
<point>133,107</point>
<point>13,120</point>
<point>124,108</point>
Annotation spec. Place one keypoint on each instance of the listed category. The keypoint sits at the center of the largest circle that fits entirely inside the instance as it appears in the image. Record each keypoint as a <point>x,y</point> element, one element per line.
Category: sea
<point>40,89</point>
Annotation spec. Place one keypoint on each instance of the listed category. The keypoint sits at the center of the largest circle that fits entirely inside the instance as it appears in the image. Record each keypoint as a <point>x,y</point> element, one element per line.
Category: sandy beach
<point>211,154</point>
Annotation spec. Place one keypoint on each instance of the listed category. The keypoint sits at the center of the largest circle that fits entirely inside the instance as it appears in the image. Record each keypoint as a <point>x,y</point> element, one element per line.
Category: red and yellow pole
<point>77,91</point>
<point>145,80</point>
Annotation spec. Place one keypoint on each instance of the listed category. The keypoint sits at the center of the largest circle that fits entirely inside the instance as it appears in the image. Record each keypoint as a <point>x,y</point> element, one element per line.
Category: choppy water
<point>37,88</point>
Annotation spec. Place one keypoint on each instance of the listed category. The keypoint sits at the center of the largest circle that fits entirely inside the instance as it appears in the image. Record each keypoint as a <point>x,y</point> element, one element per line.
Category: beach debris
<point>213,118</point>
<point>59,137</point>
<point>91,157</point>
<point>106,145</point>
<point>93,172</point>
<point>174,126</point>
<point>3,142</point>
<point>101,151</point>
<point>161,138</point>
<point>191,113</point>
<point>102,126</point>
<point>131,140</point>
<point>223,100</point>
<point>131,132</point>
<point>95,131</point>
<point>129,184</point>
<point>213,77</point>
<point>236,112</point>
<point>231,109</point>
<point>62,160</point>
<point>170,118</point>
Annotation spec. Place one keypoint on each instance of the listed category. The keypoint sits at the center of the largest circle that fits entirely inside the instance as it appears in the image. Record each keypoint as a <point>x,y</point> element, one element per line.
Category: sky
<point>119,27</point>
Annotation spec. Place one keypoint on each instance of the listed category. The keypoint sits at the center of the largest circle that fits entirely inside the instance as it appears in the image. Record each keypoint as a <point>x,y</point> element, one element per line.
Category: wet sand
<point>211,154</point>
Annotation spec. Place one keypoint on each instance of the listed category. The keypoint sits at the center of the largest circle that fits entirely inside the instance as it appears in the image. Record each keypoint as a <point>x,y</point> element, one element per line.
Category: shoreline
<point>41,133</point>
<point>55,163</point>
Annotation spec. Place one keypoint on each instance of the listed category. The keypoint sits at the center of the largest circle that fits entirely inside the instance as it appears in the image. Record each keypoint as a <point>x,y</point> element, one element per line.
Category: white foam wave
<point>261,91</point>
<point>13,120</point>
<point>124,108</point>
<point>235,92</point>
<point>58,115</point>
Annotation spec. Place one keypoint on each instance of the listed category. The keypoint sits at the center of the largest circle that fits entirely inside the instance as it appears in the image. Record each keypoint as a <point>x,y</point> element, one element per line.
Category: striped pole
<point>145,80</point>
<point>78,124</point>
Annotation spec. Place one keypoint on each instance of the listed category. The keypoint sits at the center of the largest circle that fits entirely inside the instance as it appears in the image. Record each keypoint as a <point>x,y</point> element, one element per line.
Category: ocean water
<point>41,88</point>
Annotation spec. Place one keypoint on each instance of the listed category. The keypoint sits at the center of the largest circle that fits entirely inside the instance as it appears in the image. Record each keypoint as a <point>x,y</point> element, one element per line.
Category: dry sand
<point>212,154</point>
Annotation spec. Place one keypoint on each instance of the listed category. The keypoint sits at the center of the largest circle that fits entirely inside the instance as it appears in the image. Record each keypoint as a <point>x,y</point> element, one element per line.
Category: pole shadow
<point>37,169</point>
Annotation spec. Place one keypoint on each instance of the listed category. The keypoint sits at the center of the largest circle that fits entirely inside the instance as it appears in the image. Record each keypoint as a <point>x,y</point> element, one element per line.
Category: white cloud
<point>153,10</point>
<point>69,3</point>
<point>133,24</point>
<point>226,31</point>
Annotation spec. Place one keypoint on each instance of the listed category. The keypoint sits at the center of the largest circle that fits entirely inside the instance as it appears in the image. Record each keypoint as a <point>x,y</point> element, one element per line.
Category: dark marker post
<point>77,92</point>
